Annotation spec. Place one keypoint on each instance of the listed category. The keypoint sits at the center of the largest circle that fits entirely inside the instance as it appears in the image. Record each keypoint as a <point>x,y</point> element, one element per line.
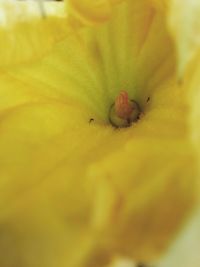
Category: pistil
<point>124,111</point>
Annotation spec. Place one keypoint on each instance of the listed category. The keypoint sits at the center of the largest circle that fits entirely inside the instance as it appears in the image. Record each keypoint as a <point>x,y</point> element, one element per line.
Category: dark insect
<point>148,99</point>
<point>141,264</point>
<point>91,120</point>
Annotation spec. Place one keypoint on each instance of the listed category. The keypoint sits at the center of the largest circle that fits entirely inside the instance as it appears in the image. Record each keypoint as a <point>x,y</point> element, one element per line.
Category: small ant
<point>148,99</point>
<point>91,120</point>
<point>141,265</point>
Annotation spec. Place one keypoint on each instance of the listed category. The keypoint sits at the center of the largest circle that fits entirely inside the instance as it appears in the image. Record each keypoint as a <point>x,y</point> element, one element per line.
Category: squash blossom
<point>99,133</point>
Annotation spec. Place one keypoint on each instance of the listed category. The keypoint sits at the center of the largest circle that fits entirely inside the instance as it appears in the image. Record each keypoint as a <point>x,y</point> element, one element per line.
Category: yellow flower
<point>75,191</point>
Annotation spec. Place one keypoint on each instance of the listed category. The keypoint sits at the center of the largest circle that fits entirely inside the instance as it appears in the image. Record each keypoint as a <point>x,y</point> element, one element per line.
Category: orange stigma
<point>124,111</point>
<point>123,106</point>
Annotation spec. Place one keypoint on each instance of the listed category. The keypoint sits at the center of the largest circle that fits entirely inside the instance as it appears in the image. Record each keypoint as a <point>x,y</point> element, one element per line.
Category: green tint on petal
<point>94,64</point>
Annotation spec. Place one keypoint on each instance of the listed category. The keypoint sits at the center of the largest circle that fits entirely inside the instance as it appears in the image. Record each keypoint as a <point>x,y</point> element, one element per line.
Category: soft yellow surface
<point>89,11</point>
<point>26,33</point>
<point>77,193</point>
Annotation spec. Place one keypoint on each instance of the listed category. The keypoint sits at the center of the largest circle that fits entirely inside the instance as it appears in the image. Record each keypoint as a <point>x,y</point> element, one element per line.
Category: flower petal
<point>24,32</point>
<point>94,64</point>
<point>88,11</point>
<point>43,199</point>
<point>185,250</point>
<point>185,27</point>
<point>137,186</point>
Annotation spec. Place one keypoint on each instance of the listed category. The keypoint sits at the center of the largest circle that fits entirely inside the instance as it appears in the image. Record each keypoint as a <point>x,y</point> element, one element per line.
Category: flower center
<point>124,111</point>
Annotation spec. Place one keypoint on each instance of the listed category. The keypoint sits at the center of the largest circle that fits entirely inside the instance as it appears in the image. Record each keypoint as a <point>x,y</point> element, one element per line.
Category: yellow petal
<point>122,262</point>
<point>191,83</point>
<point>25,33</point>
<point>36,193</point>
<point>184,24</point>
<point>161,4</point>
<point>136,186</point>
<point>88,11</point>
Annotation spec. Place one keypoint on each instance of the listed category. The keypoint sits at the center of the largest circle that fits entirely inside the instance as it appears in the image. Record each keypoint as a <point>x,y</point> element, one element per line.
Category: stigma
<point>124,111</point>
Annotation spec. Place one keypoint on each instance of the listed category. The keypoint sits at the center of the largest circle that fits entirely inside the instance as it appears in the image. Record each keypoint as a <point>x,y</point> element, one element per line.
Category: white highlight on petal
<point>185,251</point>
<point>184,23</point>
<point>14,11</point>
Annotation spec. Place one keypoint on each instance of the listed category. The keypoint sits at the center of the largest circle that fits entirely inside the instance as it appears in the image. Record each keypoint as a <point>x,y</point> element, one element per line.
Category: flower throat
<point>124,111</point>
